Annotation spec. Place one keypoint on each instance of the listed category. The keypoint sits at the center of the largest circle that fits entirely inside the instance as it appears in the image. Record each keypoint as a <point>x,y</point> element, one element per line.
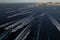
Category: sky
<point>22,1</point>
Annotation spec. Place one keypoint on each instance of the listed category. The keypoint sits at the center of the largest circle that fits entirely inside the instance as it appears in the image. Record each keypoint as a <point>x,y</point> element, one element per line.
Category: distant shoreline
<point>49,4</point>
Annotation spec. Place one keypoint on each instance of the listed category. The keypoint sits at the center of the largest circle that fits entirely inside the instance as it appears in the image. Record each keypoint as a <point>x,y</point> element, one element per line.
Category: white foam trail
<point>13,25</point>
<point>42,14</point>
<point>14,10</point>
<point>20,26</point>
<point>17,14</point>
<point>38,32</point>
<point>21,34</point>
<point>26,35</point>
<point>3,25</point>
<point>20,21</point>
<point>11,11</point>
<point>23,11</point>
<point>4,35</point>
<point>24,22</point>
<point>54,21</point>
<point>28,12</point>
